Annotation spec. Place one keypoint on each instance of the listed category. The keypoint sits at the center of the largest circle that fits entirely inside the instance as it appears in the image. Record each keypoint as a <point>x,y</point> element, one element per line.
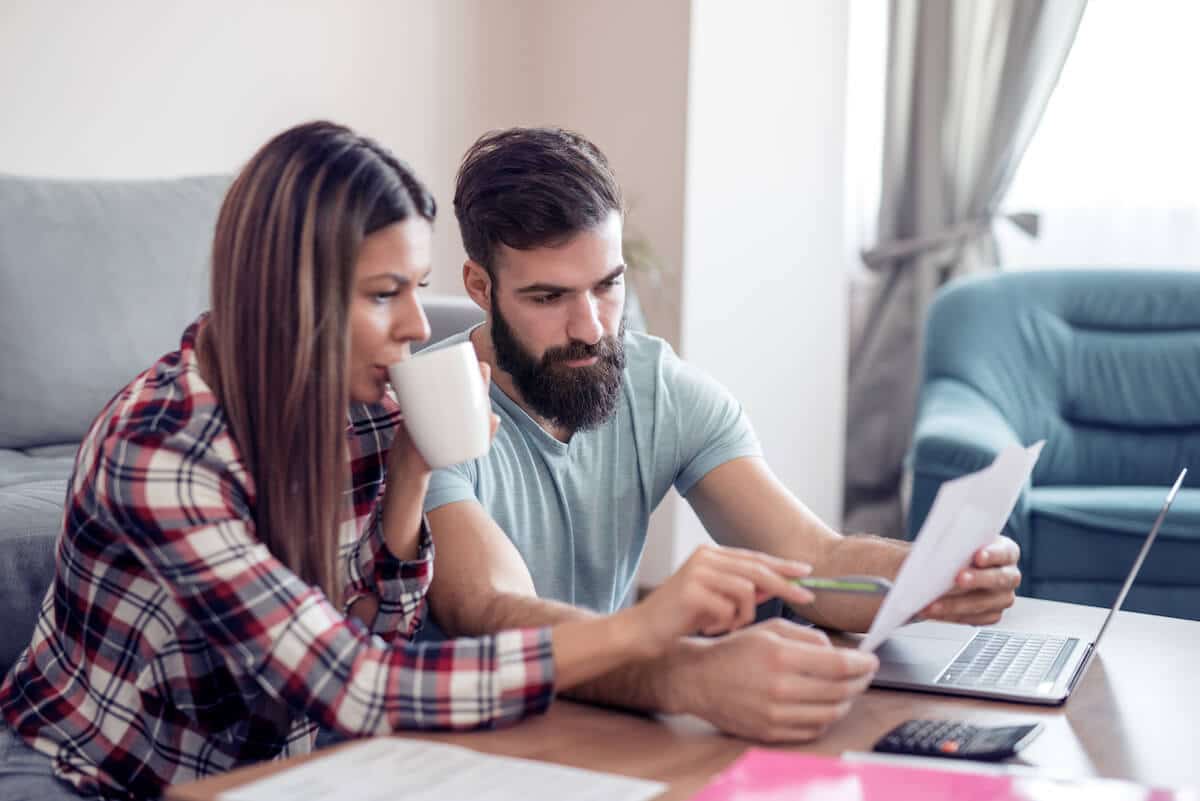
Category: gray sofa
<point>97,279</point>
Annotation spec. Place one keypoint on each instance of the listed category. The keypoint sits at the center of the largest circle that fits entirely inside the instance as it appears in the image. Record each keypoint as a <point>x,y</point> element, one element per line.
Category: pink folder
<point>761,775</point>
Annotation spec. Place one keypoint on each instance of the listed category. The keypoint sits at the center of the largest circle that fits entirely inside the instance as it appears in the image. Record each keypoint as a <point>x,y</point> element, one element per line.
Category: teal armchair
<point>1104,366</point>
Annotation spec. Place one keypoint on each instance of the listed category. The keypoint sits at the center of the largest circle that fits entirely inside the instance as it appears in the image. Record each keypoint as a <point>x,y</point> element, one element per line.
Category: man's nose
<point>584,324</point>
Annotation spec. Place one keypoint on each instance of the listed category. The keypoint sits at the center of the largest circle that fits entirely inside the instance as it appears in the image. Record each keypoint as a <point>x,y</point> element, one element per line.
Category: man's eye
<point>609,284</point>
<point>546,299</point>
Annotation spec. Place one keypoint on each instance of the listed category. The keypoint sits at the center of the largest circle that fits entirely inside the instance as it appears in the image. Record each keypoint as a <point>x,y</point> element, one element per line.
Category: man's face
<point>556,323</point>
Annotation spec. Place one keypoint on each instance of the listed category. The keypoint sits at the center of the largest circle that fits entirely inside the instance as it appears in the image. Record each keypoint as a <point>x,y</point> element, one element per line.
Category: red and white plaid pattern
<point>173,645</point>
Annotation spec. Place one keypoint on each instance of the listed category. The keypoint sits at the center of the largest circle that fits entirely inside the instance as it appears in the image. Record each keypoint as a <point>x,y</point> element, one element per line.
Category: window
<point>1114,167</point>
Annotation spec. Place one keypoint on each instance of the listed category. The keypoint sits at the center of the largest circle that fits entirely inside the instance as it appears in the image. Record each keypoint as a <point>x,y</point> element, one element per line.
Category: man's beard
<point>577,398</point>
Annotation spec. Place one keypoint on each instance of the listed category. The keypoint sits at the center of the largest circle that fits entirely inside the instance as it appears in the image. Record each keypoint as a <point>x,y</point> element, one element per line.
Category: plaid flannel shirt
<point>172,644</point>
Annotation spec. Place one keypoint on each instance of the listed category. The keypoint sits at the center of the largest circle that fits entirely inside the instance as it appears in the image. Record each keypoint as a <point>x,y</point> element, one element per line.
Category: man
<point>596,425</point>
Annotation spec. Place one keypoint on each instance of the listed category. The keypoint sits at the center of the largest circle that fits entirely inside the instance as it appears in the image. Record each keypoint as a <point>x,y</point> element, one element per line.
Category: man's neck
<point>481,339</point>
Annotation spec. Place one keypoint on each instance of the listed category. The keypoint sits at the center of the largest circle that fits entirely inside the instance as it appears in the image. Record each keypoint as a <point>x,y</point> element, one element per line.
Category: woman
<point>229,492</point>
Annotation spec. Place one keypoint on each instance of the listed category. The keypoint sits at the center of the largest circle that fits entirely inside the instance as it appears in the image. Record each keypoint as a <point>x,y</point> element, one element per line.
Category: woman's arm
<point>715,591</point>
<point>389,565</point>
<point>397,532</point>
<point>403,495</point>
<point>177,515</point>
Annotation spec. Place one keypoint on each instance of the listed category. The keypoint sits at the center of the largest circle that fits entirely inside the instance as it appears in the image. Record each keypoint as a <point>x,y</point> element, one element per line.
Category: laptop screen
<point>1141,557</point>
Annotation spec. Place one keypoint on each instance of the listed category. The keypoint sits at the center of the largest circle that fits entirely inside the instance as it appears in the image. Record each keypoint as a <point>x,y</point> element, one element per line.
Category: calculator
<point>957,740</point>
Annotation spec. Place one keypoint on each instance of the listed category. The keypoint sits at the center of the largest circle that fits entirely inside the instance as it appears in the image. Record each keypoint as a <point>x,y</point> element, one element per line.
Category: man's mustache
<point>605,349</point>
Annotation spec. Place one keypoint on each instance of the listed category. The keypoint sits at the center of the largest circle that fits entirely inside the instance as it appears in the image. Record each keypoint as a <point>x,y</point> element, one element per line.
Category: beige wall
<point>615,71</point>
<point>620,75</point>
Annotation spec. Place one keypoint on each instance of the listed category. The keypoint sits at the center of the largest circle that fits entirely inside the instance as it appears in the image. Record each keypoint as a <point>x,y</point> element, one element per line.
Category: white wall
<point>142,88</point>
<point>764,290</point>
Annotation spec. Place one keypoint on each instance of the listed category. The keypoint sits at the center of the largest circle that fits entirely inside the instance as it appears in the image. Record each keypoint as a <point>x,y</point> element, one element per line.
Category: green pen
<point>862,585</point>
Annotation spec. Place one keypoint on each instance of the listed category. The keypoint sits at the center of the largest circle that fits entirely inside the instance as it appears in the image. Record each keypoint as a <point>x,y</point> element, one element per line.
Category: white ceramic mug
<point>445,404</point>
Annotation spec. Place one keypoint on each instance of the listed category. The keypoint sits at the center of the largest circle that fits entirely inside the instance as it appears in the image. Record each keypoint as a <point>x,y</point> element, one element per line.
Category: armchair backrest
<point>1103,365</point>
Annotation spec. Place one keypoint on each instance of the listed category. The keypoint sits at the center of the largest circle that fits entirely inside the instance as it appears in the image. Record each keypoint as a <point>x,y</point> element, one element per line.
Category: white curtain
<point>967,84</point>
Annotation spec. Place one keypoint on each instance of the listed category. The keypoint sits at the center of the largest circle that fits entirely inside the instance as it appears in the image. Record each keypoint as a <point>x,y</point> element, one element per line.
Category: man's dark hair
<point>531,187</point>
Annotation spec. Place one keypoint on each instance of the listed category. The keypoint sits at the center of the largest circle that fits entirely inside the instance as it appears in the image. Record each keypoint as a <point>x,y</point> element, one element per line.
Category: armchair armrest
<point>958,431</point>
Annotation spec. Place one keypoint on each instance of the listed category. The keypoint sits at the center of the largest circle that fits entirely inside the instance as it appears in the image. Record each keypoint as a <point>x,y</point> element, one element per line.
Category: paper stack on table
<point>395,769</point>
<point>968,512</point>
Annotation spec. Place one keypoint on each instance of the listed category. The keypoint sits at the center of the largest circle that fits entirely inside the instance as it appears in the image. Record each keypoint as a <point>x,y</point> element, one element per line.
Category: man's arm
<point>481,585</point>
<point>791,684</point>
<point>742,503</point>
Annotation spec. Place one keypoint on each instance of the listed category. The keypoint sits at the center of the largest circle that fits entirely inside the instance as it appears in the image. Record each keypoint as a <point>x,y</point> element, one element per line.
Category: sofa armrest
<point>958,431</point>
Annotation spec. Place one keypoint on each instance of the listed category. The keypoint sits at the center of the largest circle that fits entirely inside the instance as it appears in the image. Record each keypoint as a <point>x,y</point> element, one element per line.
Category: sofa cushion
<point>27,467</point>
<point>98,279</point>
<point>30,517</point>
<point>1094,533</point>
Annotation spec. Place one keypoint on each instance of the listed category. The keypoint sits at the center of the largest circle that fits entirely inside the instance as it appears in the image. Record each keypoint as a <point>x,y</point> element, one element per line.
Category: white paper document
<point>968,512</point>
<point>394,769</point>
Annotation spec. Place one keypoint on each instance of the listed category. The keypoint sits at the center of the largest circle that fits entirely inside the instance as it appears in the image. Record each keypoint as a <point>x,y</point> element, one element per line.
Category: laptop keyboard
<point>1007,660</point>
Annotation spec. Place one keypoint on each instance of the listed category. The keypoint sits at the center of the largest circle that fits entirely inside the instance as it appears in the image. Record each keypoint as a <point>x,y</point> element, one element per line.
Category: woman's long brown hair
<point>277,340</point>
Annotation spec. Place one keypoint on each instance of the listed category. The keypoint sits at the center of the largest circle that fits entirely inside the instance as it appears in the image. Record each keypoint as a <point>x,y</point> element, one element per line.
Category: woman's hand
<point>404,460</point>
<point>716,591</point>
<point>407,481</point>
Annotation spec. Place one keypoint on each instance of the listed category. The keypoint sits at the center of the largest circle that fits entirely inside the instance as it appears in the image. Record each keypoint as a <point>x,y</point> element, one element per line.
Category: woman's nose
<point>411,324</point>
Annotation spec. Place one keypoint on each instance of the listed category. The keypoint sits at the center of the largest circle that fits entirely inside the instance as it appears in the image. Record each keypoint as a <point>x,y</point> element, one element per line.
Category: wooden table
<point>1135,715</point>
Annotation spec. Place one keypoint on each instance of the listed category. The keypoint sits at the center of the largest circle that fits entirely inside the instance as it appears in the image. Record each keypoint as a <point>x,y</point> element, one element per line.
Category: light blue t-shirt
<point>578,511</point>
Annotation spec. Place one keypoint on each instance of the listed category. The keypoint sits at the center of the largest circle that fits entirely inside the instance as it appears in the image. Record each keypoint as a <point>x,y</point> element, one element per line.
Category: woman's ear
<point>478,284</point>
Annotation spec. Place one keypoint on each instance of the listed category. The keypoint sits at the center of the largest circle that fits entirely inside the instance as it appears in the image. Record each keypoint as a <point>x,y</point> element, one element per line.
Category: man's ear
<point>478,284</point>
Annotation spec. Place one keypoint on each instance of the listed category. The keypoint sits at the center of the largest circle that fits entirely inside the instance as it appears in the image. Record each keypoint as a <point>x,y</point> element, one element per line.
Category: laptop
<point>1026,667</point>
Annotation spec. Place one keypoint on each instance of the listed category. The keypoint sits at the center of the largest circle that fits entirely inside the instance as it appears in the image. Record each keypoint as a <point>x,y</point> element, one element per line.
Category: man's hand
<point>775,681</point>
<point>983,589</point>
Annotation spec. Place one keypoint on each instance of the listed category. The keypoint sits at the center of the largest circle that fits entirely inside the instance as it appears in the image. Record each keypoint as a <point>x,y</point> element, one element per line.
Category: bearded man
<point>597,424</point>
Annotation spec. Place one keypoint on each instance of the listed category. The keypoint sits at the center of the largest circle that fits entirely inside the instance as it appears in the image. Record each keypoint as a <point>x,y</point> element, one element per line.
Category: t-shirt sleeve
<point>710,425</point>
<point>451,485</point>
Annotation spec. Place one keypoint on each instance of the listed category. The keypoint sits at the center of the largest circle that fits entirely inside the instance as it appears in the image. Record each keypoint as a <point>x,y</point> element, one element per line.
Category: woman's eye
<point>424,284</point>
<point>384,297</point>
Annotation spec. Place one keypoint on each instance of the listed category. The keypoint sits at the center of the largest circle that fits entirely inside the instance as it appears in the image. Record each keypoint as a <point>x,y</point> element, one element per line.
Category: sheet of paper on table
<point>968,512</point>
<point>395,769</point>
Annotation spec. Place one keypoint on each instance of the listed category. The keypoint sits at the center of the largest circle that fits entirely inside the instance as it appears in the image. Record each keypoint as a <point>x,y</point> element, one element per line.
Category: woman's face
<point>385,312</point>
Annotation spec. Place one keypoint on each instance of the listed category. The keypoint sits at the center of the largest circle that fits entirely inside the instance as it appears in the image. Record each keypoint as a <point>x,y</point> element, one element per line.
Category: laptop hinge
<point>1078,674</point>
